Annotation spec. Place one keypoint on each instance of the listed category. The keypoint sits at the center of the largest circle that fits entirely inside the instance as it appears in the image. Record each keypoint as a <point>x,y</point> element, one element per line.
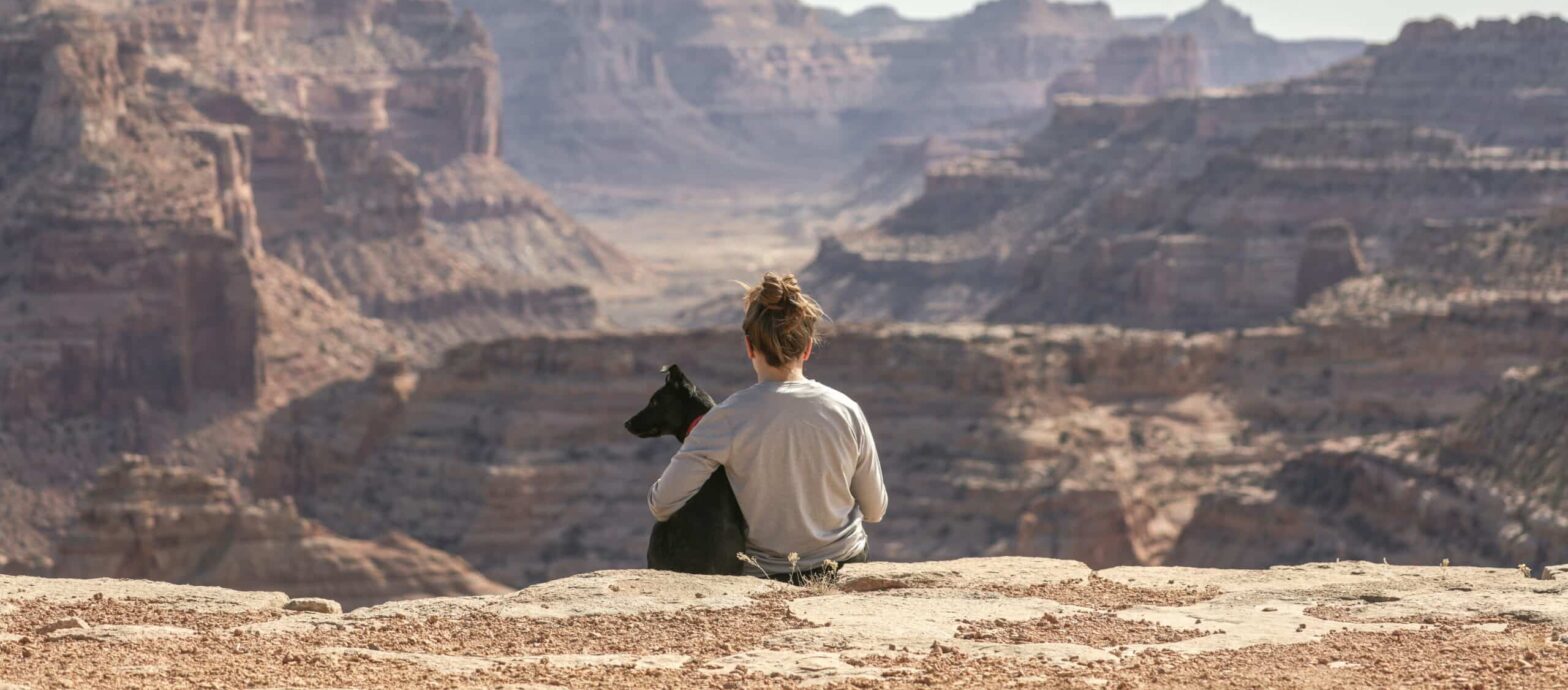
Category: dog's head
<point>672,408</point>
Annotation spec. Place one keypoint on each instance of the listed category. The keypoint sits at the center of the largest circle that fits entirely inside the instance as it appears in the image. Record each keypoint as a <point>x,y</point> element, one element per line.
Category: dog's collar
<point>693,425</point>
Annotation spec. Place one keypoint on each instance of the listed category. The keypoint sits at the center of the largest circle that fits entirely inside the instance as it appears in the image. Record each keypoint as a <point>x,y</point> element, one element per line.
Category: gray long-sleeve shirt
<point>803,464</point>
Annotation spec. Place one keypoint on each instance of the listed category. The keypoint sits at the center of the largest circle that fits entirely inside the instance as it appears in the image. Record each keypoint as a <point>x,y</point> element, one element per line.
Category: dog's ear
<point>673,374</point>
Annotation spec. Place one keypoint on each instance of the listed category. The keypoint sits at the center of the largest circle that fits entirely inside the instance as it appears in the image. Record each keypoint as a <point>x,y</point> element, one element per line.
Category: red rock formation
<point>168,172</point>
<point>1193,212</point>
<point>1371,506</point>
<point>1089,442</point>
<point>178,525</point>
<point>140,312</point>
<point>347,125</point>
<point>128,273</point>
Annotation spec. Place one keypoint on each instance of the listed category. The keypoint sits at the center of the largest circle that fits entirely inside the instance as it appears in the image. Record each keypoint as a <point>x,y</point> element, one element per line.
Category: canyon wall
<point>129,245</point>
<point>211,209</point>
<point>1100,444</point>
<point>1204,211</point>
<point>648,94</point>
<point>179,525</point>
<point>1234,54</point>
<point>377,130</point>
<point>129,281</point>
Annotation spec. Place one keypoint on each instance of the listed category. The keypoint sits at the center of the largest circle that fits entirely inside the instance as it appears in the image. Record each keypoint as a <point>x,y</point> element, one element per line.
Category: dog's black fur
<point>704,536</point>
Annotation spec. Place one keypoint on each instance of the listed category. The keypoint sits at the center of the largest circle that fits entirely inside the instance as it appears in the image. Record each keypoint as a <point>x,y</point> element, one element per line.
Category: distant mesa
<point>719,95</point>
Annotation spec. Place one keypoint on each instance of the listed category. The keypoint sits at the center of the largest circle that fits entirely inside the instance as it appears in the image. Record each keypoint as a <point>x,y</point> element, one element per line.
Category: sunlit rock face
<point>362,114</point>
<point>164,308</point>
<point>949,623</point>
<point>1199,211</point>
<point>210,209</point>
<point>131,288</point>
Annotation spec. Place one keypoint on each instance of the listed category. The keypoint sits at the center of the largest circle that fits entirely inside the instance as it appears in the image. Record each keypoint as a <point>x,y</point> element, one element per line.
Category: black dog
<point>704,536</point>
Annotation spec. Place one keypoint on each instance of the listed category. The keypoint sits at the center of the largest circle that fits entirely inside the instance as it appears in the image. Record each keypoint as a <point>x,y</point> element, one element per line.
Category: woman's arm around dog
<point>705,450</point>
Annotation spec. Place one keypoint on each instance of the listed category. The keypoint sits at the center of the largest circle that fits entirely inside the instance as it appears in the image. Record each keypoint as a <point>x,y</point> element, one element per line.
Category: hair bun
<point>781,321</point>
<point>779,292</point>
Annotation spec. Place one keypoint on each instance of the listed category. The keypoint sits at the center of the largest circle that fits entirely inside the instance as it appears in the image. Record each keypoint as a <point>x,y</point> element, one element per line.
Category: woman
<point>799,454</point>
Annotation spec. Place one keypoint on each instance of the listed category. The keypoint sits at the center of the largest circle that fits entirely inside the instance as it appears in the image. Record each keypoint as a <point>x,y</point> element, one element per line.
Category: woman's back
<point>801,459</point>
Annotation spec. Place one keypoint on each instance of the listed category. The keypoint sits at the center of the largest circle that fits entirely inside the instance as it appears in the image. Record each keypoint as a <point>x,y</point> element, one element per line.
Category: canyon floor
<point>992,622</point>
<point>693,244</point>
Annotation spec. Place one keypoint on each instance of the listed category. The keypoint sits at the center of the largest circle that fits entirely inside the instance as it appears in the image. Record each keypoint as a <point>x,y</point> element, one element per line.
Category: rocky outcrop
<point>209,210</point>
<point>762,93</point>
<point>1487,488</point>
<point>1147,66</point>
<point>1090,526</point>
<point>178,525</point>
<point>482,208</point>
<point>965,623</point>
<point>520,489</point>
<point>877,22</point>
<point>351,111</point>
<point>165,310</point>
<point>1351,504</point>
<point>1195,212</point>
<point>1233,53</point>
<point>1518,435</point>
<point>1093,442</point>
<point>130,291</point>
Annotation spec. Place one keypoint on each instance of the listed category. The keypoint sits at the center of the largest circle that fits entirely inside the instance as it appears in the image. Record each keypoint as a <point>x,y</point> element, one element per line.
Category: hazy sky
<point>1377,20</point>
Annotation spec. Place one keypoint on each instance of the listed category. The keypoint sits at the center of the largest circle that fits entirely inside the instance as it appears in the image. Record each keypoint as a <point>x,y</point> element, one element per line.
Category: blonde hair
<point>781,321</point>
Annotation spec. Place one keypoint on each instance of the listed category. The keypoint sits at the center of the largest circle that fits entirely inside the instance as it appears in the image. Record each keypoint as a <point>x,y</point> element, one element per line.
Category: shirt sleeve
<point>705,450</point>
<point>867,486</point>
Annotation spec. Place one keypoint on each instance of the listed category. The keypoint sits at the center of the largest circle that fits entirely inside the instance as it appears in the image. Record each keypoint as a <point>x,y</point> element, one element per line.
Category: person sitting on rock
<point>799,454</point>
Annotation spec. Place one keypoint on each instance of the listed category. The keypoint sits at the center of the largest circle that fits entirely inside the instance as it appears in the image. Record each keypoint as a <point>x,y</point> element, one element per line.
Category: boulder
<point>313,605</point>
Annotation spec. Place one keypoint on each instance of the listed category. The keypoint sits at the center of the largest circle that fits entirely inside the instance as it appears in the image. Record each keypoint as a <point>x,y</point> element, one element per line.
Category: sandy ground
<point>977,623</point>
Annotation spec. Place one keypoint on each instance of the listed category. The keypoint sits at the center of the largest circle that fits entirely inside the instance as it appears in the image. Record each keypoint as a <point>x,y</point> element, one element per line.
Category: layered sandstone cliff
<point>1199,212</point>
<point>164,308</point>
<point>761,93</point>
<point>377,130</point>
<point>1094,443</point>
<point>209,210</point>
<point>177,525</point>
<point>1518,435</point>
<point>128,286</point>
